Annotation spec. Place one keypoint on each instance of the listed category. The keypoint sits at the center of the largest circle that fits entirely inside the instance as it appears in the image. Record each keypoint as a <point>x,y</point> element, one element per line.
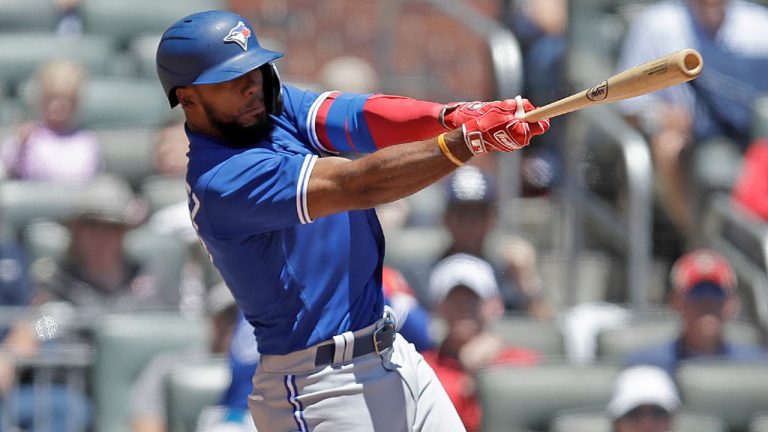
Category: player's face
<point>236,108</point>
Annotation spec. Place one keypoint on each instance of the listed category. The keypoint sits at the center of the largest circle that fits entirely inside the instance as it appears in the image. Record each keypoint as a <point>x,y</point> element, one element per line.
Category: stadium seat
<point>124,20</point>
<point>734,391</point>
<point>22,202</point>
<point>413,251</point>
<point>128,153</point>
<point>161,191</point>
<point>615,343</point>
<point>143,49</point>
<point>760,118</point>
<point>521,331</point>
<point>192,387</point>
<point>599,421</point>
<point>759,422</point>
<point>124,343</point>
<point>45,239</point>
<point>27,15</point>
<point>19,65</point>
<point>164,256</point>
<point>518,331</point>
<point>113,102</point>
<point>525,399</point>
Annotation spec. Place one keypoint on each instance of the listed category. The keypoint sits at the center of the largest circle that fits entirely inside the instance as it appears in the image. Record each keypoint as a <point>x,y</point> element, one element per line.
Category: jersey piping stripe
<point>311,125</point>
<point>298,408</point>
<point>301,189</point>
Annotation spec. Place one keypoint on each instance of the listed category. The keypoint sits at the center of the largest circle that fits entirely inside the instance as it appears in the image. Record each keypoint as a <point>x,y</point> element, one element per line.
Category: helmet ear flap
<point>273,89</point>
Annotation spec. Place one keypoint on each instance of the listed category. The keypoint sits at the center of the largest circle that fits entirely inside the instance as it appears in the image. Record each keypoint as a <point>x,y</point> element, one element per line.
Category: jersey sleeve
<point>333,122</point>
<point>258,191</point>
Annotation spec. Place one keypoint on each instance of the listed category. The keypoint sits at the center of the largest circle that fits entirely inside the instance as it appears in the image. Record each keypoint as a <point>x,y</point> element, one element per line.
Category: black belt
<point>379,341</point>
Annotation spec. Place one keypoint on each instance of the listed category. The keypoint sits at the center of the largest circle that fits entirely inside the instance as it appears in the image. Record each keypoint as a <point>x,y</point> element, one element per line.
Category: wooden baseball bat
<point>675,68</point>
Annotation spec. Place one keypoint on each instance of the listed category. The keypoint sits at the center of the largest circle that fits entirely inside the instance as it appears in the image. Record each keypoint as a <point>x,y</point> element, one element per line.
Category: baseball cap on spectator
<point>469,184</point>
<point>110,200</point>
<point>642,385</point>
<point>702,271</point>
<point>462,270</point>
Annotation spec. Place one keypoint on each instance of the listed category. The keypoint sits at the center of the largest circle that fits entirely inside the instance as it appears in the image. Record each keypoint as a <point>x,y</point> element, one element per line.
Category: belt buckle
<point>389,324</point>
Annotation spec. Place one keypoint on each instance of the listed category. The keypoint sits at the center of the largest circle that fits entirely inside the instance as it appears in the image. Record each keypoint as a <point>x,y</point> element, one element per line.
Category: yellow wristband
<point>446,151</point>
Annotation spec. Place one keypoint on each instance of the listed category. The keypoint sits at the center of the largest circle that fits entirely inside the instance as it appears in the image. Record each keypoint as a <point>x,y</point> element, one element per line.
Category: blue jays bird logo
<point>239,34</point>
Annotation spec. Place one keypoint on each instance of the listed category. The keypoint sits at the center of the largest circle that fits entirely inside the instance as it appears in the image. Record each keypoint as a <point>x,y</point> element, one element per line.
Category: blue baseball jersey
<point>297,280</point>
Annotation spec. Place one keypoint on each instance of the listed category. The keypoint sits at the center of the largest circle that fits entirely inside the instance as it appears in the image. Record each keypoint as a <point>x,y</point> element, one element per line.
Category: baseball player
<point>291,228</point>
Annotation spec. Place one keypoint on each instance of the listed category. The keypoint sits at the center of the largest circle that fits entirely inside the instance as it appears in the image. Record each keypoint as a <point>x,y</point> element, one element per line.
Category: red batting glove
<point>454,115</point>
<point>498,129</point>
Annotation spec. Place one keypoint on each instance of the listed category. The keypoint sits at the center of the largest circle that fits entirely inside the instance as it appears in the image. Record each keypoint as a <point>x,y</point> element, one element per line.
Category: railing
<point>628,230</point>
<point>744,242</point>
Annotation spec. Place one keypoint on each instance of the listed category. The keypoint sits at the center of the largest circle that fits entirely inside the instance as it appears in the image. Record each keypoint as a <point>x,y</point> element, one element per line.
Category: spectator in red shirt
<point>465,294</point>
<point>751,189</point>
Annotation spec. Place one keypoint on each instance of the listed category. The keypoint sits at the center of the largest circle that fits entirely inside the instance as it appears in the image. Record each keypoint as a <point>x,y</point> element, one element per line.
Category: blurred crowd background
<point>611,276</point>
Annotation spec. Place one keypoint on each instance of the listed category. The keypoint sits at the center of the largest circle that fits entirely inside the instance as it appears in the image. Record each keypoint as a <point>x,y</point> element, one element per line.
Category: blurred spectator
<point>698,131</point>
<point>470,216</point>
<point>644,399</point>
<point>96,275</point>
<point>148,408</point>
<point>349,74</point>
<point>169,157</point>
<point>20,399</point>
<point>540,27</point>
<point>53,148</point>
<point>69,21</point>
<point>465,294</point>
<point>704,296</point>
<point>231,413</point>
<point>751,189</point>
<point>413,320</point>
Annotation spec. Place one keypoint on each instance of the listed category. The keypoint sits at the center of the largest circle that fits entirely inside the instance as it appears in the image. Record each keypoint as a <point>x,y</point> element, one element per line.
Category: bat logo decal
<point>598,92</point>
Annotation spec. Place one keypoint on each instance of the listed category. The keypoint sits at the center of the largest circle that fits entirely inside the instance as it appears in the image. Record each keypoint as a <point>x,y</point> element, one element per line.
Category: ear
<point>185,96</point>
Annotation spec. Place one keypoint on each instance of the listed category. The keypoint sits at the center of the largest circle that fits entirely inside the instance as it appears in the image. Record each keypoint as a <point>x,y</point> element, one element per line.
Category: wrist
<point>453,143</point>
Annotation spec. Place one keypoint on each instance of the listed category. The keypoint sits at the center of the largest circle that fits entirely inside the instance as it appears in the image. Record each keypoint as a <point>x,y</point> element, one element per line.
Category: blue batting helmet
<point>212,47</point>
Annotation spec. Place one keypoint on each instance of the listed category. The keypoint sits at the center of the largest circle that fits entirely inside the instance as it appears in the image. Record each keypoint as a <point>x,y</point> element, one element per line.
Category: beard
<point>237,135</point>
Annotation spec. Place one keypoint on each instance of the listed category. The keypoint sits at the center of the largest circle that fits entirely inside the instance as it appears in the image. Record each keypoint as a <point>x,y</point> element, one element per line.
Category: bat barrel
<point>690,62</point>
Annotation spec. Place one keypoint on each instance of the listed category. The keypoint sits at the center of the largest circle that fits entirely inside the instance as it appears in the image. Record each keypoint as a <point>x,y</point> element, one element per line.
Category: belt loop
<point>338,352</point>
<point>349,347</point>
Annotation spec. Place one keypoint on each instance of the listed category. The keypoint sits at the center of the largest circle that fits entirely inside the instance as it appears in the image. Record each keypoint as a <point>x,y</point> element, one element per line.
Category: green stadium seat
<point>163,255</point>
<point>525,399</point>
<point>160,191</point>
<point>526,332</point>
<point>760,118</point>
<point>518,331</point>
<point>615,343</point>
<point>128,153</point>
<point>124,20</point>
<point>22,202</point>
<point>113,102</point>
<point>124,344</point>
<point>27,15</point>
<point>143,49</point>
<point>19,65</point>
<point>759,422</point>
<point>192,387</point>
<point>734,391</point>
<point>599,421</point>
